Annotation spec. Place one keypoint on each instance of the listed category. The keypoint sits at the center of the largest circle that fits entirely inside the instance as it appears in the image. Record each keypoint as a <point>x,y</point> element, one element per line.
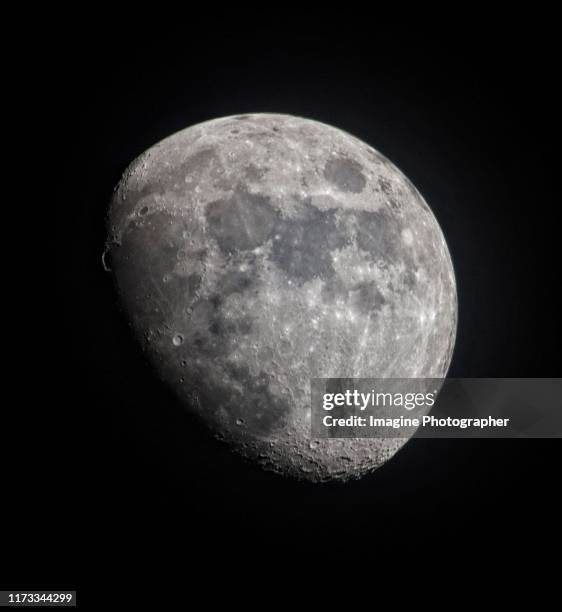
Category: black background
<point>471,117</point>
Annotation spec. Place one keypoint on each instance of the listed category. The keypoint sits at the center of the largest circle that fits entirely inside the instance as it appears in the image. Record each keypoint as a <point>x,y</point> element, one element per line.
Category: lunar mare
<point>253,253</point>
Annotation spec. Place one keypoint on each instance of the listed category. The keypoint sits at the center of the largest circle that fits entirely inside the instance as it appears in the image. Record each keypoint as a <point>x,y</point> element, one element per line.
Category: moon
<point>252,253</point>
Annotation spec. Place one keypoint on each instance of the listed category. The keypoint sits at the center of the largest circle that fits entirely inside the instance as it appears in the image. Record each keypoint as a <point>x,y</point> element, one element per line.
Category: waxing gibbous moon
<point>253,253</point>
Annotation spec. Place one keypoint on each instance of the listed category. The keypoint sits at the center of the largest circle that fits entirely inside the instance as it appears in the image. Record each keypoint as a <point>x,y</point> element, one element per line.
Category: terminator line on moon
<point>253,253</point>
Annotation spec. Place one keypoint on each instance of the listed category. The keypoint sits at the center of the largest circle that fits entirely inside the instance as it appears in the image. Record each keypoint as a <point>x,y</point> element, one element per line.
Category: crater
<point>385,185</point>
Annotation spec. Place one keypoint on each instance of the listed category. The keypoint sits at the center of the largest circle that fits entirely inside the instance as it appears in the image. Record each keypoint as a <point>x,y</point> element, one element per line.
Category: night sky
<point>473,122</point>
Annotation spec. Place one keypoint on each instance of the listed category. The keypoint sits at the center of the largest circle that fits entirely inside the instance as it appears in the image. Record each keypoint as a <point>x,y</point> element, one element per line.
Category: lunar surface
<point>253,253</point>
